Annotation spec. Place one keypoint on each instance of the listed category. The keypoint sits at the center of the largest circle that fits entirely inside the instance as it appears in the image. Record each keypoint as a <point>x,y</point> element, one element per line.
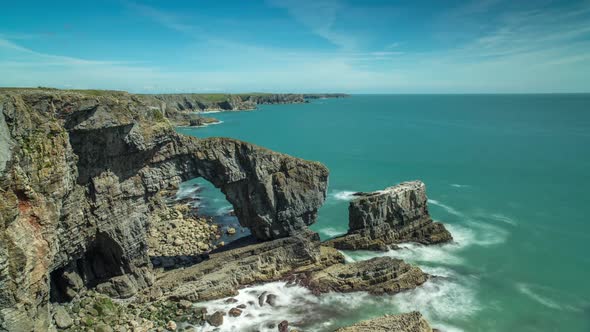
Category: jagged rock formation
<point>410,322</point>
<point>382,275</point>
<point>79,184</point>
<point>394,215</point>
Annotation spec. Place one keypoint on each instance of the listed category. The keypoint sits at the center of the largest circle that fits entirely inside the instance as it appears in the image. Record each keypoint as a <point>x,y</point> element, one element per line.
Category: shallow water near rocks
<point>507,173</point>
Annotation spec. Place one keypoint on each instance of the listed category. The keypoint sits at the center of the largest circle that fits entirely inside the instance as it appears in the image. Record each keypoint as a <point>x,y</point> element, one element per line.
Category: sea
<point>509,175</point>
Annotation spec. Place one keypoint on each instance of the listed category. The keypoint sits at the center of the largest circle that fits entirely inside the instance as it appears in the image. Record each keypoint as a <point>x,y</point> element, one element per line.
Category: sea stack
<point>387,217</point>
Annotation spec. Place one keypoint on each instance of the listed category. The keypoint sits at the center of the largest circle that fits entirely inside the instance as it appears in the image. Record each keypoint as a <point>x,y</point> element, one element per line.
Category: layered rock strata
<point>382,275</point>
<point>387,217</point>
<point>224,272</point>
<point>80,174</point>
<point>410,322</point>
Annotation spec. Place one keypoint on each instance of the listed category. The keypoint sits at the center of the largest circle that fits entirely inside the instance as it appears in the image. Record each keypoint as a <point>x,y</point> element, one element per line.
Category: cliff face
<point>80,175</point>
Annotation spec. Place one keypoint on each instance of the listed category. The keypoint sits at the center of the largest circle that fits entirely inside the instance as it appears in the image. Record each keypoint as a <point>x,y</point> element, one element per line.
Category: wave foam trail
<point>527,290</point>
<point>447,208</point>
<point>503,218</point>
<point>456,185</point>
<point>414,253</point>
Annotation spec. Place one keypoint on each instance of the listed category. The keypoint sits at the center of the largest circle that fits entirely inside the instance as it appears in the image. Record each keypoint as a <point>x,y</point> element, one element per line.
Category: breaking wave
<point>439,299</point>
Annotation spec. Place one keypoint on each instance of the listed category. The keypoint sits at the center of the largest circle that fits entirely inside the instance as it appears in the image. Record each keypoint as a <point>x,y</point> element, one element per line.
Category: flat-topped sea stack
<point>387,217</point>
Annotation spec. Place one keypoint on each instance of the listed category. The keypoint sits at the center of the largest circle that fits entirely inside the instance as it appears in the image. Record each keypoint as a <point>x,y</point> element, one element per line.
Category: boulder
<point>234,312</point>
<point>284,326</point>
<point>62,318</point>
<point>216,319</point>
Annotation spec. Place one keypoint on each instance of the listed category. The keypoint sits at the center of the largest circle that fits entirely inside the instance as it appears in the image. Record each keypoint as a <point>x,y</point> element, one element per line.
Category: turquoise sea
<point>508,174</point>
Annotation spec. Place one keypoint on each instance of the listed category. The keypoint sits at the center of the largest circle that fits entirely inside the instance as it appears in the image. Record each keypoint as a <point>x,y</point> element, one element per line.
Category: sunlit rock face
<point>386,217</point>
<point>80,174</point>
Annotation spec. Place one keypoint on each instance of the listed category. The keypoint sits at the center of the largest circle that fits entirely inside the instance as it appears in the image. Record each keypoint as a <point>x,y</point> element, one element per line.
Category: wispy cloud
<point>50,58</point>
<point>527,51</point>
<point>166,19</point>
<point>320,17</point>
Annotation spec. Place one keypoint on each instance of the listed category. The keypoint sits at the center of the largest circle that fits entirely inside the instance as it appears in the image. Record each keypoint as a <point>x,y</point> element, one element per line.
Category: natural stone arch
<point>272,194</point>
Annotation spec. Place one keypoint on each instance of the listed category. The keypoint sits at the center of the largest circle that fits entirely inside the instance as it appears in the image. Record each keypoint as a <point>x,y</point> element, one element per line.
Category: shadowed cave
<point>103,260</point>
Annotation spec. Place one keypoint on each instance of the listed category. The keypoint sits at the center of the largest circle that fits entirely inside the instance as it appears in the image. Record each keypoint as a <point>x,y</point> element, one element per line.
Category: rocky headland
<point>89,241</point>
<point>186,109</point>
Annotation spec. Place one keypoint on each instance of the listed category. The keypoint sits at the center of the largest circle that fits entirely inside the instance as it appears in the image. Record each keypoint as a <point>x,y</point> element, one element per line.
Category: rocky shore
<point>91,243</point>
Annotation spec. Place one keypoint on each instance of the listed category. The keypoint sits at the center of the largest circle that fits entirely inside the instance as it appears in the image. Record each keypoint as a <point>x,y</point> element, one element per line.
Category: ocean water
<point>508,174</point>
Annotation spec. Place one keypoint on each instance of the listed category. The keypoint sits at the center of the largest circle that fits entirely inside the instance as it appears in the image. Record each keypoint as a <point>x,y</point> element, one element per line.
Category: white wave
<point>447,208</point>
<point>209,124</point>
<point>187,190</point>
<point>332,232</point>
<point>439,299</point>
<point>293,303</point>
<point>414,253</point>
<point>343,195</point>
<point>527,290</point>
<point>224,210</point>
<point>209,112</point>
<point>456,185</point>
<point>477,233</point>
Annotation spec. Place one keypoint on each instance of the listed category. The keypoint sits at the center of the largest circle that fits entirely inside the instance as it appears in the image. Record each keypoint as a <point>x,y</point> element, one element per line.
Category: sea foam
<point>439,299</point>
<point>343,195</point>
<point>331,231</point>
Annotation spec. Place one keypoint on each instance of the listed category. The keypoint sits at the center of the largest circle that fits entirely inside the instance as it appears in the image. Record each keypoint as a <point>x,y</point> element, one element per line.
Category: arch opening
<point>200,220</point>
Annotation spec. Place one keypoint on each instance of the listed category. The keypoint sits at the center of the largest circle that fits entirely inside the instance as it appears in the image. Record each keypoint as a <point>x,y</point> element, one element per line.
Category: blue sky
<point>437,46</point>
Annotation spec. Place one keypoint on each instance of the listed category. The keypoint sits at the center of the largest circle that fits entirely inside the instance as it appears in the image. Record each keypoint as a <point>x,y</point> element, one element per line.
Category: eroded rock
<point>381,275</point>
<point>387,217</point>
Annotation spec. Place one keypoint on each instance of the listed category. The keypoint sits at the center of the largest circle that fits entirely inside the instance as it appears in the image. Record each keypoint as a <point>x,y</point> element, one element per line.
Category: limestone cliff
<point>80,173</point>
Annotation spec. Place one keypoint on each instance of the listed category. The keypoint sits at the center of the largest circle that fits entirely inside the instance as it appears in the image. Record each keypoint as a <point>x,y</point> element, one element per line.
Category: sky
<point>436,46</point>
